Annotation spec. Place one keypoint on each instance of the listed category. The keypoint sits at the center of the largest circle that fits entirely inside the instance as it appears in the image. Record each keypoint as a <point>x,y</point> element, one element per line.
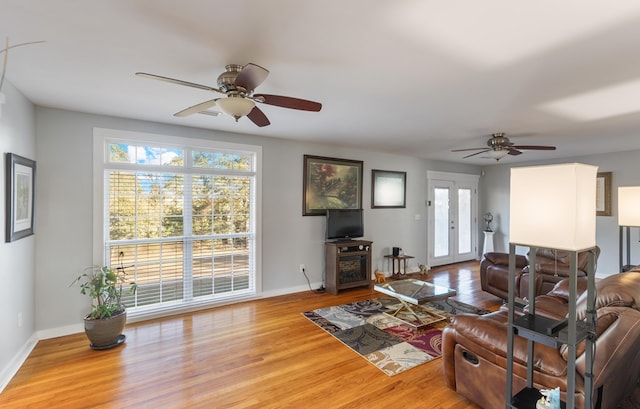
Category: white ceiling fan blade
<point>178,82</point>
<point>198,108</point>
<point>468,149</point>
<point>477,153</point>
<point>210,113</point>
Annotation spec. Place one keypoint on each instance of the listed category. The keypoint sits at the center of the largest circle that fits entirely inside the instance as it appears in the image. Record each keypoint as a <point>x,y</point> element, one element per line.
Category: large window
<point>180,215</point>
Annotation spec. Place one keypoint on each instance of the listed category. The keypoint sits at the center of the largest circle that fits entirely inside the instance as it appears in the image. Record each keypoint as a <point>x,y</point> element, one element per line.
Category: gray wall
<point>625,172</point>
<point>17,272</point>
<point>289,239</point>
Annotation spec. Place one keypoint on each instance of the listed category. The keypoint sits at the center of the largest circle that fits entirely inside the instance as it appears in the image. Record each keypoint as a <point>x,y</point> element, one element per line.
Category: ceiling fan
<point>500,146</point>
<point>238,83</point>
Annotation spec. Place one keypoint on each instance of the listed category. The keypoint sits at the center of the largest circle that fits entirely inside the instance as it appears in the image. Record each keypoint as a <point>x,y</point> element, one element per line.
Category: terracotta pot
<point>105,333</point>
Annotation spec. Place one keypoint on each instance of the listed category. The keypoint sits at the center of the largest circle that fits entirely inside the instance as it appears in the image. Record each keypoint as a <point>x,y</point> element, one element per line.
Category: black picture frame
<point>388,189</point>
<point>603,194</point>
<point>330,183</point>
<point>20,198</point>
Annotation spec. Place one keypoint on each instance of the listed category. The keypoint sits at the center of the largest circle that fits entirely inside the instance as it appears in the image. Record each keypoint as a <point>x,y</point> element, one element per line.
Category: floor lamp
<point>568,222</point>
<point>628,216</point>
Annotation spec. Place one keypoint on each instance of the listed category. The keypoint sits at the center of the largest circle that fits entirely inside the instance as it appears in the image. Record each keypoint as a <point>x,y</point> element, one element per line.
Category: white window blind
<point>182,219</point>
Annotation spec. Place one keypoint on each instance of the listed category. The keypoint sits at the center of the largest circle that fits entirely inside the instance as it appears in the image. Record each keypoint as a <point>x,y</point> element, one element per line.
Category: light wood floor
<point>261,354</point>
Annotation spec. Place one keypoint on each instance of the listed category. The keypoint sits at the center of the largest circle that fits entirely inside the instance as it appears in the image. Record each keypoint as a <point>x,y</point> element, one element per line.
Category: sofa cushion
<point>606,317</point>
<point>502,259</point>
<point>561,289</point>
<point>615,290</point>
<point>549,306</point>
<point>561,255</point>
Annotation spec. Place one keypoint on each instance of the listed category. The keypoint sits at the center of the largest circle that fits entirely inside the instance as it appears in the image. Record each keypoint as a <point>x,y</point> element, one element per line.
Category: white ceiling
<point>413,77</point>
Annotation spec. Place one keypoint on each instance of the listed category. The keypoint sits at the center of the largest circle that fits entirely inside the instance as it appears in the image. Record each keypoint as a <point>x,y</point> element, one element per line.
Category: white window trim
<point>99,159</point>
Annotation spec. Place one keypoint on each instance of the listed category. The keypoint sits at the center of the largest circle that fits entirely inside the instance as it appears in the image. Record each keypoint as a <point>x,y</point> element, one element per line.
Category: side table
<point>399,259</point>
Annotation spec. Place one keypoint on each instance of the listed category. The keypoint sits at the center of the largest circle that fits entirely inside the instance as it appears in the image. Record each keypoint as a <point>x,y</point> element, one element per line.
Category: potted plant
<point>104,324</point>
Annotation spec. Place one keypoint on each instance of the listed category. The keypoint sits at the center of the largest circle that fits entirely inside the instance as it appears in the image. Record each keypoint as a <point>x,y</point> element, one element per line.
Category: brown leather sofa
<point>474,348</point>
<point>552,266</point>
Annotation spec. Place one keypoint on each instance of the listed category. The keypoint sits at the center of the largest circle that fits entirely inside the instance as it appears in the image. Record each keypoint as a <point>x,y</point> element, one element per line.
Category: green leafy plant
<point>105,286</point>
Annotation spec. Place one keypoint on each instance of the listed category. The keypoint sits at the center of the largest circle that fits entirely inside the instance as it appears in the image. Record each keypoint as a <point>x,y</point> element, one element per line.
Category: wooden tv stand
<point>347,265</point>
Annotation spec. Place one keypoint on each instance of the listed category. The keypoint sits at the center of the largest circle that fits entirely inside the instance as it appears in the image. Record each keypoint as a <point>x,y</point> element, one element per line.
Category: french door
<point>453,227</point>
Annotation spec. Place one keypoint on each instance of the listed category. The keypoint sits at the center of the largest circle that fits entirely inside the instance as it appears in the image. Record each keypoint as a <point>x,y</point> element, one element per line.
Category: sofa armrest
<point>616,364</point>
<point>617,349</point>
<point>448,360</point>
<point>489,332</point>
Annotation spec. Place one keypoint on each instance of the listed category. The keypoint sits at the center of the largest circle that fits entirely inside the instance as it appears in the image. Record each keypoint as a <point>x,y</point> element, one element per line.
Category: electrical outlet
<point>303,268</point>
<point>19,320</point>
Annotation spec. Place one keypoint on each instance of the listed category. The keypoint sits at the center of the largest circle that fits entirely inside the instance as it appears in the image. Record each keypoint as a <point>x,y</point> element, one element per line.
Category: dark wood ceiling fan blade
<point>258,117</point>
<point>477,153</point>
<point>535,147</point>
<point>514,152</point>
<point>195,109</point>
<point>178,82</point>
<point>251,76</point>
<point>289,102</point>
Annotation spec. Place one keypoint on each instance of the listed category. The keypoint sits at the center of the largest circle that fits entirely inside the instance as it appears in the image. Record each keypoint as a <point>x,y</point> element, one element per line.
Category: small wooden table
<point>399,259</point>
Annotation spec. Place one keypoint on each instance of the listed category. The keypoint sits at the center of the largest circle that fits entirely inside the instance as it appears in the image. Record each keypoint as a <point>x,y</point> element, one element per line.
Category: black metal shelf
<point>550,332</point>
<point>527,399</point>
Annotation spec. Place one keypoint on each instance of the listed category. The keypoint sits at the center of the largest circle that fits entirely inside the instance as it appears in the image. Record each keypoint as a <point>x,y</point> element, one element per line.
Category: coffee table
<point>412,294</point>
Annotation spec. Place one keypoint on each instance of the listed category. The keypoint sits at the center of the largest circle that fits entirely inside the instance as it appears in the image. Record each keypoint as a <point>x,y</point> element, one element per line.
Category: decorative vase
<point>105,333</point>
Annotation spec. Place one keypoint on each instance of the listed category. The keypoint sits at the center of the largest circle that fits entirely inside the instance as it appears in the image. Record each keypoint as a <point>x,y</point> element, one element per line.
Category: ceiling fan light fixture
<point>235,105</point>
<point>238,83</point>
<point>498,154</point>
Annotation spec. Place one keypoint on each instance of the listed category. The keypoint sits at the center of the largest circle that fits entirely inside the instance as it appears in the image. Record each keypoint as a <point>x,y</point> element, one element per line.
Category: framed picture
<point>330,183</point>
<point>388,189</point>
<point>20,196</point>
<point>603,194</point>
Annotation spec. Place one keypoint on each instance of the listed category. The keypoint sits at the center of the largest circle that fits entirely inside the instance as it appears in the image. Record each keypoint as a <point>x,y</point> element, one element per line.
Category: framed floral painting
<point>330,183</point>
<point>20,186</point>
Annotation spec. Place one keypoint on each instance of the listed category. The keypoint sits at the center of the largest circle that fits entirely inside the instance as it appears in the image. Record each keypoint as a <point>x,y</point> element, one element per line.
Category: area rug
<point>386,342</point>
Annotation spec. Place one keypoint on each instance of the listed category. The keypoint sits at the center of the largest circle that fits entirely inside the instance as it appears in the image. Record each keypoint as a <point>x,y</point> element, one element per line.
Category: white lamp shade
<point>629,206</point>
<point>553,206</point>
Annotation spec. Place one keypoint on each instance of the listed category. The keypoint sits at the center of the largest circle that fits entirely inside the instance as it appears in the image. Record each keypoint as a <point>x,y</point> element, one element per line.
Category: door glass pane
<point>441,222</point>
<point>464,221</point>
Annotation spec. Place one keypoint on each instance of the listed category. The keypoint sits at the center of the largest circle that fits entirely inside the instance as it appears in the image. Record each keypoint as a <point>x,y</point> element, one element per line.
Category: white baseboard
<point>60,331</point>
<point>12,368</point>
<point>290,290</point>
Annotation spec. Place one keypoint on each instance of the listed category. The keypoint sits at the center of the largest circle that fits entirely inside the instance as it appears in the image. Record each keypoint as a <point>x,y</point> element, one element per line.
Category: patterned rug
<point>386,342</point>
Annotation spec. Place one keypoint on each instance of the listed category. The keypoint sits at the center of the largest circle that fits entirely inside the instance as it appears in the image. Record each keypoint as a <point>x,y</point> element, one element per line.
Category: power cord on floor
<point>319,290</point>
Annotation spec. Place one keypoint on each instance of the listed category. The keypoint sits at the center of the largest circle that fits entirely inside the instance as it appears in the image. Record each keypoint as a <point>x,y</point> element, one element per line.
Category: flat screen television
<point>344,224</point>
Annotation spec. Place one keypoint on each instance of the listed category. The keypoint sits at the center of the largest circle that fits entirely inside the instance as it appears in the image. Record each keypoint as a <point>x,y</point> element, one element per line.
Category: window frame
<point>102,137</point>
